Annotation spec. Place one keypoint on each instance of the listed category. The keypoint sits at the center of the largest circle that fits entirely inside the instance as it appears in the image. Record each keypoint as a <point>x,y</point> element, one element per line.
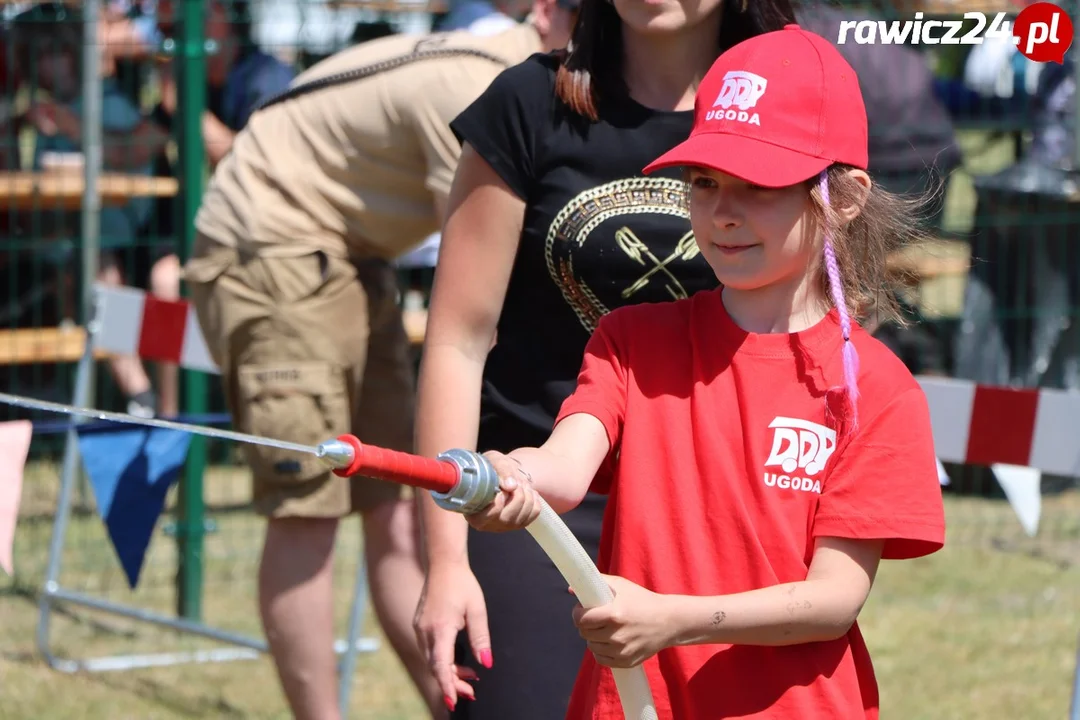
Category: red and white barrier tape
<point>132,322</point>
<point>974,424</point>
<point>986,425</point>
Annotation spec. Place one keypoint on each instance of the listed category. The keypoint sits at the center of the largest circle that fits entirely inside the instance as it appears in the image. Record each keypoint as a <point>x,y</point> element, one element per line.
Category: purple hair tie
<point>851,357</point>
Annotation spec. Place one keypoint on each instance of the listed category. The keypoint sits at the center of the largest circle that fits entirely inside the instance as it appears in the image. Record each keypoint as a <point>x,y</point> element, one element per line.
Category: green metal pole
<point>191,96</point>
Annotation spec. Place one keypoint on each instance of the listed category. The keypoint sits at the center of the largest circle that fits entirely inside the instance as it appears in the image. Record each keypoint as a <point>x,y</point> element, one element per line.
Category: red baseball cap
<point>776,110</point>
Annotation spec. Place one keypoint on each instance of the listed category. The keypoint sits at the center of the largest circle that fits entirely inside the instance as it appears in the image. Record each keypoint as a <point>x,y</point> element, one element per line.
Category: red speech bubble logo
<point>1043,32</point>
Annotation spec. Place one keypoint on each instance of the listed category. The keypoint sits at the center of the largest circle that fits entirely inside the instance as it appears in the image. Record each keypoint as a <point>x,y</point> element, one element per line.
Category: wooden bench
<point>64,190</point>
<point>43,346</point>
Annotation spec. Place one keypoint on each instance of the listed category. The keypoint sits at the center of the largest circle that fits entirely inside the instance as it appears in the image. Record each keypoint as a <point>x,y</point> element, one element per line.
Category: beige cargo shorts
<point>309,348</point>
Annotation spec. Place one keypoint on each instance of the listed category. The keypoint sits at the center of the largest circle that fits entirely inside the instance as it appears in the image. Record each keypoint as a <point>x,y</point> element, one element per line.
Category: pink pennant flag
<point>14,447</point>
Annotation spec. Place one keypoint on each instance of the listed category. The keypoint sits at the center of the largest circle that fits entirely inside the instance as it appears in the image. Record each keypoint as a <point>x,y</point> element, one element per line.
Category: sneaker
<point>143,405</point>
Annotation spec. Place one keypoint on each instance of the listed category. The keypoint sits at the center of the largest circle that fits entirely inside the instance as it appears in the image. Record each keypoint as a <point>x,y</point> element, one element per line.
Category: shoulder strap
<point>419,52</point>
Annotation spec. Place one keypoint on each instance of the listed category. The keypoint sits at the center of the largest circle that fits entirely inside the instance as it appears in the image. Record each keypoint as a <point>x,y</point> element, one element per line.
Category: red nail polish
<point>485,659</point>
<point>449,703</point>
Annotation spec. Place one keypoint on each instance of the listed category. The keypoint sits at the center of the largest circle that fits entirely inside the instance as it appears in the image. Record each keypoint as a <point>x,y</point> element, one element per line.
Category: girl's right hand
<point>450,602</point>
<point>518,503</point>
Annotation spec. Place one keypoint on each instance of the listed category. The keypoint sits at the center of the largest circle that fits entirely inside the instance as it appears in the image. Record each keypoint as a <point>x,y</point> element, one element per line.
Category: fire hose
<point>459,480</point>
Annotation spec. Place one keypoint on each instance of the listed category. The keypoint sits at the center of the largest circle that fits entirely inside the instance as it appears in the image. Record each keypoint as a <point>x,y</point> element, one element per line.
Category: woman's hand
<point>450,602</point>
<point>518,503</point>
<point>630,629</point>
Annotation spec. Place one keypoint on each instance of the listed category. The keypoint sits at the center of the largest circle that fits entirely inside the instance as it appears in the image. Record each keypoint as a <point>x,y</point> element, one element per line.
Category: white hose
<point>551,533</point>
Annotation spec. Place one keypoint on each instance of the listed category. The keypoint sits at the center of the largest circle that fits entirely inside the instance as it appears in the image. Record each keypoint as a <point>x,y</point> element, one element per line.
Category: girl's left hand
<point>630,629</point>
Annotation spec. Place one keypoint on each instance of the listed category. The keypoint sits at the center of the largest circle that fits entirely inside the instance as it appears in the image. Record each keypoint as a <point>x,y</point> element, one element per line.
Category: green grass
<point>985,629</point>
<point>243,689</point>
<point>978,632</point>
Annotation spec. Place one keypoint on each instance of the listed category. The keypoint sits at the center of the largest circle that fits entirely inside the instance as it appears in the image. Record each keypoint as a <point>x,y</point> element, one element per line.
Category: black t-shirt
<point>597,234</point>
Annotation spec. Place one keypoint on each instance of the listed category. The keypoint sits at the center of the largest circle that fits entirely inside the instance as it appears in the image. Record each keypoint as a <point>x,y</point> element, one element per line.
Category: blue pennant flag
<point>131,470</point>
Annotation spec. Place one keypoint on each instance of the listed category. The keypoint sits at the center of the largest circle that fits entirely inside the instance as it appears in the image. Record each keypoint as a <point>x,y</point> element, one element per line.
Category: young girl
<point>761,451</point>
<point>550,225</point>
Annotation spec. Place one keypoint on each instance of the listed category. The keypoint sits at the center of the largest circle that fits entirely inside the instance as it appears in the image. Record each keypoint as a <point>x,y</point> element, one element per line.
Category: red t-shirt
<point>725,466</point>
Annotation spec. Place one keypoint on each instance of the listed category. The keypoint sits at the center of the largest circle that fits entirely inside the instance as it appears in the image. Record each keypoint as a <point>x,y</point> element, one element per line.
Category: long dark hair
<point>592,67</point>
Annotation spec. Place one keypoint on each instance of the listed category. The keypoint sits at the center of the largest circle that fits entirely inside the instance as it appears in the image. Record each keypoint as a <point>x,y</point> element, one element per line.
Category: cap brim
<point>752,160</point>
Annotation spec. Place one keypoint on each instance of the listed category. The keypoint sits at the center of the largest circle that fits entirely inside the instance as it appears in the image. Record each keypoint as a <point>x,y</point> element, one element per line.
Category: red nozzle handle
<point>400,467</point>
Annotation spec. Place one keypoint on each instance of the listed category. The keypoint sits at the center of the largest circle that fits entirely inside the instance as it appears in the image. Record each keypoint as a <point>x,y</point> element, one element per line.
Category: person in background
<point>294,287</point>
<point>50,50</point>
<point>239,77</point>
<point>551,225</point>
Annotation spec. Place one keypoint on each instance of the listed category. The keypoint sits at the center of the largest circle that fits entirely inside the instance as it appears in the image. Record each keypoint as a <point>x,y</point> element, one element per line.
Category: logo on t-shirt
<point>800,449</point>
<point>740,90</point>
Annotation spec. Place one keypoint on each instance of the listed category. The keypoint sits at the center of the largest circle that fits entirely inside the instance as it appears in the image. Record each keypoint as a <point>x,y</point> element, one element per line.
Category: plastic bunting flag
<point>131,470</point>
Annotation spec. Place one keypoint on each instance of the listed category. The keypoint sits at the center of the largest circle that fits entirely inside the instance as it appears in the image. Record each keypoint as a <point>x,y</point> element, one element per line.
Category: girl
<point>550,225</point>
<point>757,475</point>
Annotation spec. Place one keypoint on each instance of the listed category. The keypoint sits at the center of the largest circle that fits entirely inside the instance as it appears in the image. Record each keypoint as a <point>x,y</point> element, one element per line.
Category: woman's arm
<point>476,255</point>
<point>822,607</point>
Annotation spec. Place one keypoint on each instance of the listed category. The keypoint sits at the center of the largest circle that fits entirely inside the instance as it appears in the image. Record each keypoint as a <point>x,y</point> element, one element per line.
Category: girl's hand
<point>516,506</point>
<point>630,629</point>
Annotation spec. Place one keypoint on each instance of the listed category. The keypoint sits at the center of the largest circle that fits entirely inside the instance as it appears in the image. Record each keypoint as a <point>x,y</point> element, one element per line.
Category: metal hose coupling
<point>477,485</point>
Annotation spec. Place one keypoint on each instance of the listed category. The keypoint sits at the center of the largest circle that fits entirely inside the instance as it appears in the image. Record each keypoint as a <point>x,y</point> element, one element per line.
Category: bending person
<point>295,291</point>
<point>552,225</point>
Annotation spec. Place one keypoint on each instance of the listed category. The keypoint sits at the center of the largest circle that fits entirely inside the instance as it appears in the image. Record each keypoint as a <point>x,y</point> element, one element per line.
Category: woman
<point>551,225</point>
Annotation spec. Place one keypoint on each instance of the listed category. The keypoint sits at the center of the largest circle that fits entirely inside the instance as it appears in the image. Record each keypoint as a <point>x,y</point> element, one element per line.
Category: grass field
<point>985,629</point>
<point>244,689</point>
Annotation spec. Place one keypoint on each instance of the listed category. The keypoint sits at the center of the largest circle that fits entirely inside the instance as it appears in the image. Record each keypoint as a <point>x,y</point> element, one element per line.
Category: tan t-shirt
<point>353,169</point>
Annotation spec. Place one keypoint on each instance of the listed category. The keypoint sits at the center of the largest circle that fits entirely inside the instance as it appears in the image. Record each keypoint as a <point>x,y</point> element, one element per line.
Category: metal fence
<point>996,297</point>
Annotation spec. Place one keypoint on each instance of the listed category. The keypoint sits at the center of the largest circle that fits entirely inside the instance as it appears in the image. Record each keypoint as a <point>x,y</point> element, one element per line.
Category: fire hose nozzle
<point>336,453</point>
<point>459,480</point>
<point>477,484</point>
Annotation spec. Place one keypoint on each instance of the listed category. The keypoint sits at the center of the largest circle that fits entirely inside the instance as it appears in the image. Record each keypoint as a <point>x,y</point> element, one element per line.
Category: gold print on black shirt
<point>657,271</point>
<point>630,244</point>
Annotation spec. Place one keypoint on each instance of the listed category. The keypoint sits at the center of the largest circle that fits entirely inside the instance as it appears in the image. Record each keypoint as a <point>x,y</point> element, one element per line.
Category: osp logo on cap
<point>740,90</point>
